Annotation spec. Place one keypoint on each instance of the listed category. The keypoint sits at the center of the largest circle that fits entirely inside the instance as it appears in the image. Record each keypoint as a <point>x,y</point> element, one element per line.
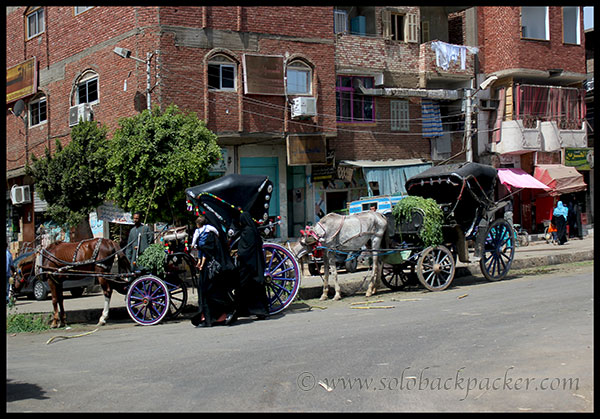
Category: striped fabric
<point>432,119</point>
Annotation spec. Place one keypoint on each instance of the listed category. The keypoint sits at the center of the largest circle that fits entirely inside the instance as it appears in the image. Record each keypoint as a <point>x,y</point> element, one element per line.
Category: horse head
<point>24,268</point>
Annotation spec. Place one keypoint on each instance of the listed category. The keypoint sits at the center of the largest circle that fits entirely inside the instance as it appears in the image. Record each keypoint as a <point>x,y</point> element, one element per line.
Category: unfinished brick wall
<point>502,46</point>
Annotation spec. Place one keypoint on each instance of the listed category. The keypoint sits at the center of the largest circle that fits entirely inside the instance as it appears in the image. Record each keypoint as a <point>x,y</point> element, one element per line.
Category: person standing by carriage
<point>140,237</point>
<point>215,302</point>
<point>250,295</point>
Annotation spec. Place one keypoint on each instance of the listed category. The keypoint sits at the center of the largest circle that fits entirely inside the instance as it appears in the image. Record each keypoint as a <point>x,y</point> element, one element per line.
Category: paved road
<point>523,344</point>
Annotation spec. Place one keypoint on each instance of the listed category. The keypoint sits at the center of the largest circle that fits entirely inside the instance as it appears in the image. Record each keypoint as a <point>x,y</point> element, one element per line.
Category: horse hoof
<point>337,297</point>
<point>323,298</point>
<point>101,323</point>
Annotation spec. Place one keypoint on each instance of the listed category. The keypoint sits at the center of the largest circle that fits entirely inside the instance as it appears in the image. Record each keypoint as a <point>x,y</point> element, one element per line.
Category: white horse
<point>337,232</point>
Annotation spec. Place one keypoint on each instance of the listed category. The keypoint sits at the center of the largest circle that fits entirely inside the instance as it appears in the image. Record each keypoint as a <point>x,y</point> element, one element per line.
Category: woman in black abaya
<point>251,296</point>
<point>215,300</point>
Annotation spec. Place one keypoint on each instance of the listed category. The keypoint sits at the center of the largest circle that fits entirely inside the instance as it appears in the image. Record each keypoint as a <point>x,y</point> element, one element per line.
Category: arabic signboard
<point>579,158</point>
<point>113,214</point>
<point>263,74</point>
<point>21,80</point>
<point>324,172</point>
<point>306,150</point>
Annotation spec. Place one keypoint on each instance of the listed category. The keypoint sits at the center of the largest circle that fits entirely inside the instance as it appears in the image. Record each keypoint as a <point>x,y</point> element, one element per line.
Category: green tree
<point>74,180</point>
<point>155,156</point>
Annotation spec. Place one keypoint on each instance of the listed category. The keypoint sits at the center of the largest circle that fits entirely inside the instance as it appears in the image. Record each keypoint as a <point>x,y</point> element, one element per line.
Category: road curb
<point>349,286</point>
<point>307,293</point>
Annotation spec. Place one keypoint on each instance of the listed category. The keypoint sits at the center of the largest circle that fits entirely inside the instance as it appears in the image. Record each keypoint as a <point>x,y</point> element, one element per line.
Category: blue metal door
<point>268,166</point>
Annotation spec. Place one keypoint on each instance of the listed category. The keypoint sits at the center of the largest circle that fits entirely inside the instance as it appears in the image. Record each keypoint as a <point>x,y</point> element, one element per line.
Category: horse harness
<point>74,263</point>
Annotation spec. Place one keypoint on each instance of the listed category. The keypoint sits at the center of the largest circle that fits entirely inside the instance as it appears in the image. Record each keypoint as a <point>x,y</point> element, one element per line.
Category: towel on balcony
<point>432,118</point>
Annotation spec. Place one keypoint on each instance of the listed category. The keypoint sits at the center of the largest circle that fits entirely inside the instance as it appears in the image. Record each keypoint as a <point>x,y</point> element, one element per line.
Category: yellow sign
<point>21,80</point>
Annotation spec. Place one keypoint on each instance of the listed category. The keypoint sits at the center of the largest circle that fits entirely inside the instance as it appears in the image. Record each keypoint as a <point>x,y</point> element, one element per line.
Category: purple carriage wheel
<point>282,277</point>
<point>148,300</point>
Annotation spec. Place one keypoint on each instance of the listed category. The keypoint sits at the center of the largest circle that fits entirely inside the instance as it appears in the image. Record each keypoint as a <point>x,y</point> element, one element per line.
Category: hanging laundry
<point>445,54</point>
<point>432,118</point>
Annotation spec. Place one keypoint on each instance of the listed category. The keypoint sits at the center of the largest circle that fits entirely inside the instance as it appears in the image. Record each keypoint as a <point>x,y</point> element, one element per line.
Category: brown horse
<point>61,260</point>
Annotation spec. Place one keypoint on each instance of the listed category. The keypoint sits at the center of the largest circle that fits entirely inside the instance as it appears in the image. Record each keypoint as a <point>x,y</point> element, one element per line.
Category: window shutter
<point>386,24</point>
<point>425,37</point>
<point>340,22</point>
<point>399,115</point>
<point>411,33</point>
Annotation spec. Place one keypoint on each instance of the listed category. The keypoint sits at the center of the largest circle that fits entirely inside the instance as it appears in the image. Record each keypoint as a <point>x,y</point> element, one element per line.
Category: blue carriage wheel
<point>498,251</point>
<point>147,300</point>
<point>282,276</point>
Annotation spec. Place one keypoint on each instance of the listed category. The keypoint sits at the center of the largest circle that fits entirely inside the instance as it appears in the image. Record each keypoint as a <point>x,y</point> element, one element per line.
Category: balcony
<point>546,136</point>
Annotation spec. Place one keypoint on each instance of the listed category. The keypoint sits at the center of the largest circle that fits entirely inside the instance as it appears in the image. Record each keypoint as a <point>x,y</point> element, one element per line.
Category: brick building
<point>210,60</point>
<point>331,102</point>
<point>534,113</point>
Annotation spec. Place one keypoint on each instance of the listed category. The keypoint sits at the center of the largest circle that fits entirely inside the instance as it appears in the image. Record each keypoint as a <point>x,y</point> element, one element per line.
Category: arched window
<point>38,110</point>
<point>299,78</point>
<point>87,88</point>
<point>221,73</point>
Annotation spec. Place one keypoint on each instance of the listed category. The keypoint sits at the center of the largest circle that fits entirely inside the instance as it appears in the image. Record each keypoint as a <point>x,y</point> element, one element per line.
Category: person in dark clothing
<point>559,219</point>
<point>251,297</point>
<point>215,300</point>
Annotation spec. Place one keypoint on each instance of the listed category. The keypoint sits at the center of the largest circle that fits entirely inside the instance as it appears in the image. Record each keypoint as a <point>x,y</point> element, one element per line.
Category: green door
<point>268,166</point>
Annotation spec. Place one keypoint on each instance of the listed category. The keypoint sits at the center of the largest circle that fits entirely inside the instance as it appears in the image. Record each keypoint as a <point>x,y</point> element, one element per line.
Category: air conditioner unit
<point>20,195</point>
<point>489,104</point>
<point>303,107</point>
<point>77,112</point>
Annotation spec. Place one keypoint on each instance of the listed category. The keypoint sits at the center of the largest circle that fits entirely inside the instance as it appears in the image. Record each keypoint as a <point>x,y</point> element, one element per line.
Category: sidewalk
<point>88,308</point>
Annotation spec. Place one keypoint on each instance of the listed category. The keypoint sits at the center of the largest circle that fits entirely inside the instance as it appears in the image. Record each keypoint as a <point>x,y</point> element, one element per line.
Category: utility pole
<point>468,114</point>
<point>125,53</point>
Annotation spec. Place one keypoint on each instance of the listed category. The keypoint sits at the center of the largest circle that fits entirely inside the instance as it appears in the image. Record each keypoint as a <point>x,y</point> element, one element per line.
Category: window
<point>571,28</point>
<point>87,88</point>
<point>221,73</point>
<point>35,23</point>
<point>340,21</point>
<point>397,26</point>
<point>534,23</point>
<point>400,26</point>
<point>350,105</point>
<point>425,34</point>
<point>37,111</point>
<point>81,9</point>
<point>299,78</point>
<point>399,115</point>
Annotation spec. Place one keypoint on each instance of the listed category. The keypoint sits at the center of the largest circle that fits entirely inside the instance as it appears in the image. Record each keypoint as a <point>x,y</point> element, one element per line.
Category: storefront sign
<point>306,150</point>
<point>579,158</point>
<point>21,80</point>
<point>324,172</point>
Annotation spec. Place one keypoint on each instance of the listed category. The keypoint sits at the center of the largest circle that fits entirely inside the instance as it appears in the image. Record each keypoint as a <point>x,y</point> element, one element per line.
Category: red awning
<point>562,179</point>
<point>518,178</point>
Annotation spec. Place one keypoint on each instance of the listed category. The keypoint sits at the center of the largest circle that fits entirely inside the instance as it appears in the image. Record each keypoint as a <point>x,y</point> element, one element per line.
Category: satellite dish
<point>19,107</point>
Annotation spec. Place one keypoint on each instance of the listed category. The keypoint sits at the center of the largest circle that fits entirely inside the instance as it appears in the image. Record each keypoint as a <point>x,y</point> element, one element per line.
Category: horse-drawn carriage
<point>465,195</point>
<point>152,296</point>
<point>221,201</point>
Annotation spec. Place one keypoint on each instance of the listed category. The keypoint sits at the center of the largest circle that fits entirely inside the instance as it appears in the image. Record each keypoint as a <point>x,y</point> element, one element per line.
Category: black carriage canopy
<point>223,198</point>
<point>468,188</point>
